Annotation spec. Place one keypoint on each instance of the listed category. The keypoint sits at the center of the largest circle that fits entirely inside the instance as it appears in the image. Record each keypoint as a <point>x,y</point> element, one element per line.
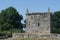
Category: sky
<point>31,5</point>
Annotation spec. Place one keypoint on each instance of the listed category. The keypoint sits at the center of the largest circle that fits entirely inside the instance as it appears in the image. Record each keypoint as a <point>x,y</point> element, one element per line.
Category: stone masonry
<point>38,25</point>
<point>38,22</point>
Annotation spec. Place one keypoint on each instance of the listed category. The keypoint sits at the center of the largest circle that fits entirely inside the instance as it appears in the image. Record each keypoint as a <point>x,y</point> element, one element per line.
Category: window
<point>38,24</point>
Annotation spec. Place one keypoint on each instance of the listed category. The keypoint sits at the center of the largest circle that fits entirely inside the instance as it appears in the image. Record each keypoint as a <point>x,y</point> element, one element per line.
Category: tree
<point>25,23</point>
<point>56,22</point>
<point>10,19</point>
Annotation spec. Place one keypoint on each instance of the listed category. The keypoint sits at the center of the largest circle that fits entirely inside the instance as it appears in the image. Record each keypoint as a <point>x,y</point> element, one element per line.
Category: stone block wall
<point>35,35</point>
<point>38,23</point>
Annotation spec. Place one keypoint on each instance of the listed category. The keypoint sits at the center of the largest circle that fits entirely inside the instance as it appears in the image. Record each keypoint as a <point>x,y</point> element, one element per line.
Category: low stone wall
<point>36,35</point>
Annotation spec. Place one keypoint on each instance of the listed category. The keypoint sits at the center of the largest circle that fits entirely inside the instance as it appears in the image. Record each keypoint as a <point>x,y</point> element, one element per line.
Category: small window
<point>38,24</point>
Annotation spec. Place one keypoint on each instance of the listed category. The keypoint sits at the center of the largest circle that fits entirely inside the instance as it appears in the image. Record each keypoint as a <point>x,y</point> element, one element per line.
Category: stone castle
<point>38,22</point>
<point>38,25</point>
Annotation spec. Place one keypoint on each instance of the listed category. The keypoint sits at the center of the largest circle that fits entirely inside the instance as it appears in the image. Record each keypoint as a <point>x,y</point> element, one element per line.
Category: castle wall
<point>38,23</point>
<point>38,26</point>
<point>34,35</point>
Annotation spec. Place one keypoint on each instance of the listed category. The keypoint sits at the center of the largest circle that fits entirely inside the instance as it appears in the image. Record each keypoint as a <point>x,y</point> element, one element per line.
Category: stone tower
<point>38,22</point>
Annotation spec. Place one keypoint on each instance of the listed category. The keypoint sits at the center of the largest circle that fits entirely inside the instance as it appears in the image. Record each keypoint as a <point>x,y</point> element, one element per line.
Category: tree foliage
<point>56,22</point>
<point>10,19</point>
